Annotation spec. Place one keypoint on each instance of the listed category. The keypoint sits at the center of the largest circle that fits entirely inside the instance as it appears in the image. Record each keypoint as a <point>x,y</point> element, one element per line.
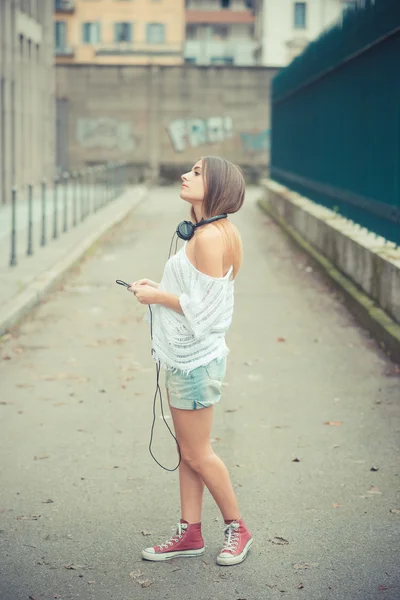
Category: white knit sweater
<point>197,337</point>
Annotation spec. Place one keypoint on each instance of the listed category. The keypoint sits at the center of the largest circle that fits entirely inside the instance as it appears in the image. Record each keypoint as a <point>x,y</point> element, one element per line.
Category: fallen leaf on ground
<point>383,588</point>
<point>28,517</point>
<point>281,339</point>
<point>136,574</point>
<point>374,490</point>
<point>65,376</point>
<point>395,511</point>
<point>279,541</point>
<point>300,586</point>
<point>374,469</point>
<point>296,460</point>
<point>231,410</point>
<point>41,457</point>
<point>91,582</point>
<point>70,567</point>
<point>336,505</point>
<point>48,501</point>
<point>145,583</point>
<point>333,423</point>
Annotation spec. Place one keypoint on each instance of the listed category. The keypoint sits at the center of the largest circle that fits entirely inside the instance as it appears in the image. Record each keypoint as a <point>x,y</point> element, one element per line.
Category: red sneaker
<point>187,541</point>
<point>237,544</point>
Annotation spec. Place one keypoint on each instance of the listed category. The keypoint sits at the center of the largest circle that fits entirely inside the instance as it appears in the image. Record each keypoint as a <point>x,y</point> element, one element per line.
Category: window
<point>91,32</point>
<point>300,15</point>
<point>123,32</point>
<point>225,3</point>
<point>221,60</point>
<point>155,33</point>
<point>60,34</point>
<point>219,32</point>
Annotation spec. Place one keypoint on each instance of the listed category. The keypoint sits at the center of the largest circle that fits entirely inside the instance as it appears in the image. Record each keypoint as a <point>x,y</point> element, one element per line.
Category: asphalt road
<point>309,427</point>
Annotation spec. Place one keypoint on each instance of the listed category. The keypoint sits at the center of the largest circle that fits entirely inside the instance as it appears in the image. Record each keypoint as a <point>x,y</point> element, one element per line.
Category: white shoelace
<point>231,537</point>
<point>179,531</point>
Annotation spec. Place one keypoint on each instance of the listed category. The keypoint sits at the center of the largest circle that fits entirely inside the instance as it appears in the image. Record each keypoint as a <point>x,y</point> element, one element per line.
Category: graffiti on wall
<point>105,133</point>
<point>256,142</point>
<point>192,133</point>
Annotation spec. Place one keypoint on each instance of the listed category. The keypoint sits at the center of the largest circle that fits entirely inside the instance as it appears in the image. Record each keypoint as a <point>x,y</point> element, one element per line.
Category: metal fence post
<point>13,257</point>
<point>74,198</point>
<point>55,209</point>
<point>29,250</point>
<point>65,200</point>
<point>81,195</point>
<point>43,235</point>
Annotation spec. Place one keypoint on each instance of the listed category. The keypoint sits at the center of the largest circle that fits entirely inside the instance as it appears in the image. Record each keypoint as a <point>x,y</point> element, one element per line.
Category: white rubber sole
<point>235,560</point>
<point>168,555</point>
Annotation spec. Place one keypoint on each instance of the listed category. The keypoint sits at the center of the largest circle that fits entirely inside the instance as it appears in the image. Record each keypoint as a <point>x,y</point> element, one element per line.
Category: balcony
<point>138,49</point>
<point>64,6</point>
<point>206,52</point>
<point>223,17</point>
<point>64,51</point>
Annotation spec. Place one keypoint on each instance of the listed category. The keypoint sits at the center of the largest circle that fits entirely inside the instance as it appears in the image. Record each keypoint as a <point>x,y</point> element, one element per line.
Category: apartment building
<point>131,32</point>
<point>27,101</point>
<point>285,27</point>
<point>220,32</point>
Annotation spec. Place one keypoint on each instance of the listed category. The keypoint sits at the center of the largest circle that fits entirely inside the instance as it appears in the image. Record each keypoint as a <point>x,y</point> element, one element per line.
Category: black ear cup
<point>186,229</point>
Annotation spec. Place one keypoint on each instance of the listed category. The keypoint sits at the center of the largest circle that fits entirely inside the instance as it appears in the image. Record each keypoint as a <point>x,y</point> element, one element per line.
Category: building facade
<point>132,32</point>
<point>285,27</point>
<point>220,32</point>
<point>27,94</point>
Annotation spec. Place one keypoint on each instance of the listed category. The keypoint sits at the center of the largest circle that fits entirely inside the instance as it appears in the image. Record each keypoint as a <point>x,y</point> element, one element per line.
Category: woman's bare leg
<point>191,491</point>
<point>200,463</point>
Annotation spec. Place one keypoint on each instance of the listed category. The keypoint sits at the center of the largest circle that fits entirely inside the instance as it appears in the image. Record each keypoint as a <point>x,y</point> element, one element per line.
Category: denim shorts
<point>201,388</point>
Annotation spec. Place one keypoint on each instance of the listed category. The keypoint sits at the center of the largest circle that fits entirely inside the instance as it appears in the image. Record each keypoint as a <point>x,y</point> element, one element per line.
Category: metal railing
<point>335,116</point>
<point>59,205</point>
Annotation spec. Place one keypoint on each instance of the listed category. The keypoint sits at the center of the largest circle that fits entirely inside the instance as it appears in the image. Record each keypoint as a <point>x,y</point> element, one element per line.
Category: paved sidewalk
<point>308,426</point>
<point>23,285</point>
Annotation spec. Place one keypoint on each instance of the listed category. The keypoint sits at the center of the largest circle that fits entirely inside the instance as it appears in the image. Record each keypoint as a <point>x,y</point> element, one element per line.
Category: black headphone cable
<point>158,392</point>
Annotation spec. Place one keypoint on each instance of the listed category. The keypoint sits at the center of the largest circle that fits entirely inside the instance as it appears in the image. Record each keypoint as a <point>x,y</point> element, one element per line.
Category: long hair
<point>224,193</point>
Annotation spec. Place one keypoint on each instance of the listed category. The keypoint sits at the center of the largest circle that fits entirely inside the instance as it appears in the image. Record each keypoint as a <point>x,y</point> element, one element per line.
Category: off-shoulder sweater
<point>197,337</point>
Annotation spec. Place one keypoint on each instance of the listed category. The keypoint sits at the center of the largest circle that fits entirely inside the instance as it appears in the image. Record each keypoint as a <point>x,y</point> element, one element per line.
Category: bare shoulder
<point>209,252</point>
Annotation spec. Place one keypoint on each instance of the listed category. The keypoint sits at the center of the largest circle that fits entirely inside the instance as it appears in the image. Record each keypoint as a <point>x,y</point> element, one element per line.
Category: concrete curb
<point>21,305</point>
<point>383,328</point>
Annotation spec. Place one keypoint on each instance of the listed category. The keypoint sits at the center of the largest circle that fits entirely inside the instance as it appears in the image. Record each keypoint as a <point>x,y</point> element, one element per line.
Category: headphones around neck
<point>185,230</point>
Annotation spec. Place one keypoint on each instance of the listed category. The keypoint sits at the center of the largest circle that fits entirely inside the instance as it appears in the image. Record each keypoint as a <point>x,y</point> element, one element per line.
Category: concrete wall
<point>369,261</point>
<point>164,117</point>
<point>27,138</point>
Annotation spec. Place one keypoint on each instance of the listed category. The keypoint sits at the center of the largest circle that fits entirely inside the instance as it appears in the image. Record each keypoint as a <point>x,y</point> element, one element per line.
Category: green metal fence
<point>336,119</point>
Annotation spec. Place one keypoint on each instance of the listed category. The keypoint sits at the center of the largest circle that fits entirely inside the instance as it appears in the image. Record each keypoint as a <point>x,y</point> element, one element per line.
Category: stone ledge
<point>365,267</point>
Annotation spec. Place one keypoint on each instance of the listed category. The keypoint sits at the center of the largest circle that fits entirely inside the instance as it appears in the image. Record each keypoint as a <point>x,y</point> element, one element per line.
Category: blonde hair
<point>224,193</point>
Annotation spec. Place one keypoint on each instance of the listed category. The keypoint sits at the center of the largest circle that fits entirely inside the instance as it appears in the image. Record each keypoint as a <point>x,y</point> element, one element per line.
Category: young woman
<point>192,310</point>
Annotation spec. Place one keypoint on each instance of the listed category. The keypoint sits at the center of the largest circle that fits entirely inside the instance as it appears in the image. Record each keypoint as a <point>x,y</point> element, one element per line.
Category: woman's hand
<point>149,282</point>
<point>145,294</point>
